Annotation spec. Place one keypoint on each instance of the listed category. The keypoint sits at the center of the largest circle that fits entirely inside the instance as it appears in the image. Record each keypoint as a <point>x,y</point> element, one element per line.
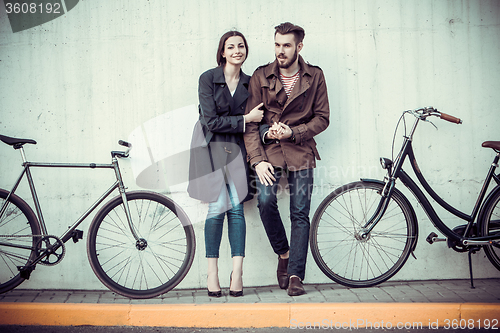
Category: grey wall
<point>105,69</point>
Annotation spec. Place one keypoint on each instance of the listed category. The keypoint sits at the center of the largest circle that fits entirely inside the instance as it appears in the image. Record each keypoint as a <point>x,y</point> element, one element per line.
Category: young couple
<point>265,123</point>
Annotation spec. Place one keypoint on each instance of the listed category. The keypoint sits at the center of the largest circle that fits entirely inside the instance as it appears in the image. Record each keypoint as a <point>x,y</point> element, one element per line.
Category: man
<point>295,110</point>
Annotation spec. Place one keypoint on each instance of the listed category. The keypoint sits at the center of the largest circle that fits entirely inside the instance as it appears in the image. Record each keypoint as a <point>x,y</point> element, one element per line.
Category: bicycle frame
<point>398,172</point>
<point>69,233</point>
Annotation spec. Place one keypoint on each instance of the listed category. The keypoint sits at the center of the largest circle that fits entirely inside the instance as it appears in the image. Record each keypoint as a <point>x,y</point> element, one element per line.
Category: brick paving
<point>433,291</point>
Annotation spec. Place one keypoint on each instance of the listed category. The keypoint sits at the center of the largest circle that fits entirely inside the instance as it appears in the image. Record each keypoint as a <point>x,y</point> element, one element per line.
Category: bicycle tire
<point>490,226</point>
<point>137,271</point>
<point>17,226</point>
<point>354,262</point>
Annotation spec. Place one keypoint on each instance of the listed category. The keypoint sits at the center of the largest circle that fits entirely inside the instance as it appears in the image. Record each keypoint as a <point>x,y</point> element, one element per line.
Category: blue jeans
<point>300,185</point>
<point>215,221</point>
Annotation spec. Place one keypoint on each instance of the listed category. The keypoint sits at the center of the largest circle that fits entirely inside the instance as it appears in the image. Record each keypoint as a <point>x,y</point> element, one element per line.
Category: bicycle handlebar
<point>423,113</point>
<point>122,154</point>
<point>124,143</point>
<point>450,118</point>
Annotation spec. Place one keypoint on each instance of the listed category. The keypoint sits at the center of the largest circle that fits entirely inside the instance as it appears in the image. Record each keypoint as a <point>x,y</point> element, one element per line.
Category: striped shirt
<point>289,82</point>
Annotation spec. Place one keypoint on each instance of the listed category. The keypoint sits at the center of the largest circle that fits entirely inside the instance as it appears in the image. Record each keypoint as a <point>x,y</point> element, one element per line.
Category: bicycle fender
<point>414,216</point>
<point>486,203</point>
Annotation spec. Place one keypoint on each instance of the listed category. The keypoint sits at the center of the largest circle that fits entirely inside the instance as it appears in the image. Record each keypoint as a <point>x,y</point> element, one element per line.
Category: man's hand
<point>265,172</point>
<point>274,132</point>
<point>279,131</point>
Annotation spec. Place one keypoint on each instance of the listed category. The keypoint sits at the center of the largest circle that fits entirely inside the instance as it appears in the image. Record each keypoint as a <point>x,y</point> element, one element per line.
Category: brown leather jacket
<point>306,111</point>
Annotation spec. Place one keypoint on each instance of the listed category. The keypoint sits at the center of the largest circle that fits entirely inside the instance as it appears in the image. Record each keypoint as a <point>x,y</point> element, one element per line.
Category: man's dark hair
<point>220,59</point>
<point>289,28</point>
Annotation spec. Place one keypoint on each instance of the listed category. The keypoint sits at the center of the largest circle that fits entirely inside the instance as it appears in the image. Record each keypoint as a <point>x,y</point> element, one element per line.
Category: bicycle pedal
<point>433,237</point>
<point>77,235</point>
<point>25,271</point>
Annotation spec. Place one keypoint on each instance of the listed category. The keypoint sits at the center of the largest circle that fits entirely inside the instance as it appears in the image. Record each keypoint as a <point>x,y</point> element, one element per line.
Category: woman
<point>218,170</point>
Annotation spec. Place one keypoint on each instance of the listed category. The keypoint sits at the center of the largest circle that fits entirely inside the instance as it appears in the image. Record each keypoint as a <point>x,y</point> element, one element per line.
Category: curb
<point>296,315</point>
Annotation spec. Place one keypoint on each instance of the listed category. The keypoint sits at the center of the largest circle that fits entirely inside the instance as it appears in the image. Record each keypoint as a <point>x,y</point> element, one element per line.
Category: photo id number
<point>33,8</point>
<point>486,324</point>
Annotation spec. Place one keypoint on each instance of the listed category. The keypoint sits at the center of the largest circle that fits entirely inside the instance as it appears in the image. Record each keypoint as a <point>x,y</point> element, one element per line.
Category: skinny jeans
<point>300,185</point>
<point>228,205</point>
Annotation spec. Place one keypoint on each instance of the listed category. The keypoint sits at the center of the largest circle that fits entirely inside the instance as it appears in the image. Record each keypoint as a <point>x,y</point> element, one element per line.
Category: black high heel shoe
<point>214,293</point>
<point>232,292</point>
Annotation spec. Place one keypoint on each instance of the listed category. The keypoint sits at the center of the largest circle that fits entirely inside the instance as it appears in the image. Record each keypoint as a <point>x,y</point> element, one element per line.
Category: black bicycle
<point>140,244</point>
<point>363,232</point>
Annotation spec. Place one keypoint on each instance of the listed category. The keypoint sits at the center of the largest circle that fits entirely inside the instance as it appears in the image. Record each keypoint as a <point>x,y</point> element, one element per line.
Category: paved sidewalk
<point>420,304</point>
<point>433,291</point>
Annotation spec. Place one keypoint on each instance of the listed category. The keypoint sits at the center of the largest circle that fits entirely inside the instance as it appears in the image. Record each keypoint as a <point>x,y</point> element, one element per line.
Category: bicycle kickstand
<point>471,251</point>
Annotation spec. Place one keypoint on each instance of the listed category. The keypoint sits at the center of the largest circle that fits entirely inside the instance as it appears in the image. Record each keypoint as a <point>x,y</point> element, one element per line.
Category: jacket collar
<point>220,79</point>
<point>269,71</point>
<point>219,75</point>
<point>240,95</point>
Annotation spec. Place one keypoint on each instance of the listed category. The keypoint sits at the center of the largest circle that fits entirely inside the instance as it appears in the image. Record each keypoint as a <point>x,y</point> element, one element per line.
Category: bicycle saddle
<point>14,141</point>
<point>492,144</point>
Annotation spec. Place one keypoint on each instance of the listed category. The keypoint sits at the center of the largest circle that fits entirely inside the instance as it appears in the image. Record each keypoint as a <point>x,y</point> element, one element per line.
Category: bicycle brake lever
<point>426,120</point>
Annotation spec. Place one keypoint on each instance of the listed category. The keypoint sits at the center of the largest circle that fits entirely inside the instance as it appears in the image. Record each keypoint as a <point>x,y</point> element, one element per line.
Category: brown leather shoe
<point>282,273</point>
<point>295,287</point>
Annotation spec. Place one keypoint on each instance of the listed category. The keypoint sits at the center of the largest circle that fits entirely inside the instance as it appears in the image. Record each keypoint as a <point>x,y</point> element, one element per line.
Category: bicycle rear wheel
<point>147,267</point>
<point>18,224</point>
<point>342,254</point>
<point>491,226</point>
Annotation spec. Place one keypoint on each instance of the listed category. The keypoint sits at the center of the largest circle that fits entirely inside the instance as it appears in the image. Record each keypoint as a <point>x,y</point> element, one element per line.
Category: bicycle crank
<point>51,250</point>
<point>463,247</point>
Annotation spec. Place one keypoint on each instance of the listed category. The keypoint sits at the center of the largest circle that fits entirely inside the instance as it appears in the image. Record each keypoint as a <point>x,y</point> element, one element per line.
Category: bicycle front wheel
<point>151,265</point>
<point>18,224</point>
<point>491,226</point>
<point>336,243</point>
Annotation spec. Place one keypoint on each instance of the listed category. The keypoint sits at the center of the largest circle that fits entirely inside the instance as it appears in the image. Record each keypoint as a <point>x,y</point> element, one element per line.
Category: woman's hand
<point>279,131</point>
<point>255,115</point>
<point>274,131</point>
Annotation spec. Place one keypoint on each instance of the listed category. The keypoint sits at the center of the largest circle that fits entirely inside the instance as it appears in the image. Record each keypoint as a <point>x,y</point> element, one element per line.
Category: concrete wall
<point>80,82</point>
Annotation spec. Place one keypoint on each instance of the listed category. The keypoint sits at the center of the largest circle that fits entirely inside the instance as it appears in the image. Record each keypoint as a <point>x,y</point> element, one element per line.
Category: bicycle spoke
<point>10,263</point>
<point>164,263</point>
<point>106,246</point>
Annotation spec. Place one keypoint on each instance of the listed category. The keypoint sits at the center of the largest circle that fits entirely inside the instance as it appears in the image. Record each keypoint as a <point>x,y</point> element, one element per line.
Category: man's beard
<point>288,62</point>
